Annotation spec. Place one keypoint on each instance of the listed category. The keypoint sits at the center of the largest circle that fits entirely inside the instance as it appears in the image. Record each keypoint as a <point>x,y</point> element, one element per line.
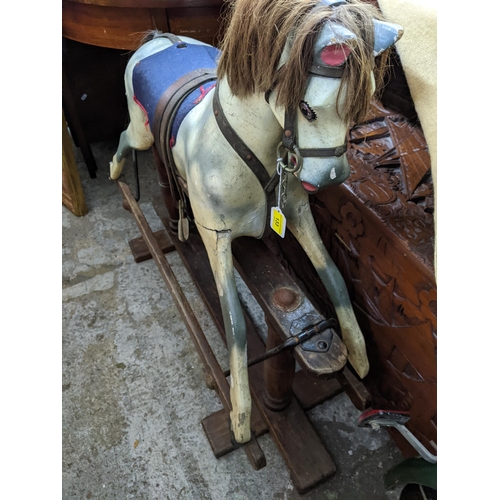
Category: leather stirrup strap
<point>164,116</point>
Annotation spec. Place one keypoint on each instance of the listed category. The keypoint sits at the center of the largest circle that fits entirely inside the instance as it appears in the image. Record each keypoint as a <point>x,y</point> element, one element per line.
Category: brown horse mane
<point>256,36</point>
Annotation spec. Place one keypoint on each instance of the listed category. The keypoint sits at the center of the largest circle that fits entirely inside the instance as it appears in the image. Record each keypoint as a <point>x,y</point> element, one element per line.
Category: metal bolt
<point>288,133</point>
<point>322,345</point>
<point>216,112</point>
<point>286,299</point>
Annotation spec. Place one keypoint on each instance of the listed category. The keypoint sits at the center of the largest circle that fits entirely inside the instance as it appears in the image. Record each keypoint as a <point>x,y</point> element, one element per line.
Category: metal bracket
<point>321,342</point>
<point>136,176</point>
<point>300,338</point>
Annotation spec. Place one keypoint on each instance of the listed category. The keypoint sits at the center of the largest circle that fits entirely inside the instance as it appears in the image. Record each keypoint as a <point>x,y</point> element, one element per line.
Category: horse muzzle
<point>318,173</point>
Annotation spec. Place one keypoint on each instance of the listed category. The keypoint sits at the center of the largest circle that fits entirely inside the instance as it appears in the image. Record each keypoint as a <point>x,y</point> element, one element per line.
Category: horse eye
<point>307,111</point>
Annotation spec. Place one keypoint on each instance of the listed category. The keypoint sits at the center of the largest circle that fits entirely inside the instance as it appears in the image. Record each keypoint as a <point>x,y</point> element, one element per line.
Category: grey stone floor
<point>133,386</point>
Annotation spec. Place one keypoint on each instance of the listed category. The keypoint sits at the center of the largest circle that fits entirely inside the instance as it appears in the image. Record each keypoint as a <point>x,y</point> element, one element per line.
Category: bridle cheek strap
<point>289,141</point>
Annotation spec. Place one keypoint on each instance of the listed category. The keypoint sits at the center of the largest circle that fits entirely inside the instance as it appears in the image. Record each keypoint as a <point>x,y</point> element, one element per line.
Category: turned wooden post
<point>278,374</point>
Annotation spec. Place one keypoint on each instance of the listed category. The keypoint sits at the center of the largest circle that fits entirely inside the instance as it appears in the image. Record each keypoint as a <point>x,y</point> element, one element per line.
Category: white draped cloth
<point>417,50</point>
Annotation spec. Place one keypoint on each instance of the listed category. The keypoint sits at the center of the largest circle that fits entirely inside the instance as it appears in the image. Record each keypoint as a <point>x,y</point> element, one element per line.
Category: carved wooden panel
<point>378,228</point>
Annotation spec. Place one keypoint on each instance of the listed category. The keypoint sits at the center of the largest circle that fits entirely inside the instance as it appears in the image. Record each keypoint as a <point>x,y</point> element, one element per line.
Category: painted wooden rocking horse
<point>252,130</point>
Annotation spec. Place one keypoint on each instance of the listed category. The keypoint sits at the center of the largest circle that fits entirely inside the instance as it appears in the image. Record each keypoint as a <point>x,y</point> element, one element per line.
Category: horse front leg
<point>301,223</point>
<point>218,246</point>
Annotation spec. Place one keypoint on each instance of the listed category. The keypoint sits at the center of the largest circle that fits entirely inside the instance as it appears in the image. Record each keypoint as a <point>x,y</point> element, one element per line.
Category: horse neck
<point>254,121</point>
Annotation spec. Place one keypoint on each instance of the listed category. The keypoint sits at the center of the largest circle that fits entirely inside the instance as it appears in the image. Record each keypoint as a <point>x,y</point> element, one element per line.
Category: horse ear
<point>385,35</point>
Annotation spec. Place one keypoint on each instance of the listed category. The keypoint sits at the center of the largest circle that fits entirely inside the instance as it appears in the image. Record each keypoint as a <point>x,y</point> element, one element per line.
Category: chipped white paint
<point>240,397</point>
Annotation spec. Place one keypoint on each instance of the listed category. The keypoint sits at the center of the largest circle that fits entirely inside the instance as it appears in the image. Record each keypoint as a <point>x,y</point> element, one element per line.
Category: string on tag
<point>278,219</point>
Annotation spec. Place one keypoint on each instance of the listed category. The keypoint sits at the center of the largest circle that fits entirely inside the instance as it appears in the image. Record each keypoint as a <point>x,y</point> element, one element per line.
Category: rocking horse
<point>249,132</point>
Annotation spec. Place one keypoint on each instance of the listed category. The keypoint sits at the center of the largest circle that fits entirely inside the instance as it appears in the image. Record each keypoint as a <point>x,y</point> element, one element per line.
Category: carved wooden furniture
<point>378,227</point>
<point>118,24</point>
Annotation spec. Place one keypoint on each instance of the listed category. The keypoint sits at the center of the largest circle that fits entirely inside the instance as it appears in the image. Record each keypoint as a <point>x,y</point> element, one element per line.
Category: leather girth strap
<point>168,105</point>
<point>173,38</point>
<point>267,182</point>
<point>163,121</point>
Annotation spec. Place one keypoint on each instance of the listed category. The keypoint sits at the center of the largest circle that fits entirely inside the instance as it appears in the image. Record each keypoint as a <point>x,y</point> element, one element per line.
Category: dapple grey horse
<point>227,199</point>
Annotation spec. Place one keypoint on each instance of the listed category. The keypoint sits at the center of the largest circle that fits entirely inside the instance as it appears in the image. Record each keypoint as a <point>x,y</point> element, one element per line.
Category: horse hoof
<point>115,168</point>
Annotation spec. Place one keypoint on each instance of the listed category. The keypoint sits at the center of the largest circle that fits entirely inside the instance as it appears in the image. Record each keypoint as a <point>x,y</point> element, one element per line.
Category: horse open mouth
<point>309,187</point>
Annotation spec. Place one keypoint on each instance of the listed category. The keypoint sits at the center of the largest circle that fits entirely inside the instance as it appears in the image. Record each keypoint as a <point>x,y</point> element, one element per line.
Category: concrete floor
<point>133,385</point>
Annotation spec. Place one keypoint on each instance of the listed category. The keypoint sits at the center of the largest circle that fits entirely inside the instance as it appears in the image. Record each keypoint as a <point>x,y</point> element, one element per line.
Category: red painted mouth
<point>309,187</point>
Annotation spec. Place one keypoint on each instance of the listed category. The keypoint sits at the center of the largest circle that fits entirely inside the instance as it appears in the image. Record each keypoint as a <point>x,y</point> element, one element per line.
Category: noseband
<point>295,153</point>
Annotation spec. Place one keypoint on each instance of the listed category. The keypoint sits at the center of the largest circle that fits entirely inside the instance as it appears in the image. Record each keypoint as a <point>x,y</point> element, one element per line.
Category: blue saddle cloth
<point>154,74</point>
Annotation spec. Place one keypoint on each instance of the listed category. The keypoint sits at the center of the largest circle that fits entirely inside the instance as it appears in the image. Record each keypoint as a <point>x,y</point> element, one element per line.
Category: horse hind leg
<point>218,246</point>
<point>137,136</point>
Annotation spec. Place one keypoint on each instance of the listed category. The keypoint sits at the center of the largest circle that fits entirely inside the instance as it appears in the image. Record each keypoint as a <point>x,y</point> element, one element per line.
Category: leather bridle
<point>289,138</point>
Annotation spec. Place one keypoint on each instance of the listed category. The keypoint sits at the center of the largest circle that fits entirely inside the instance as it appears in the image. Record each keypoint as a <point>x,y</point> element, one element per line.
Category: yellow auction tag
<point>278,221</point>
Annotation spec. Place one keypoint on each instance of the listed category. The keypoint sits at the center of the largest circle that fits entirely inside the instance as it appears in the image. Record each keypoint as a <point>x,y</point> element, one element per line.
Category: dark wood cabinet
<point>98,38</point>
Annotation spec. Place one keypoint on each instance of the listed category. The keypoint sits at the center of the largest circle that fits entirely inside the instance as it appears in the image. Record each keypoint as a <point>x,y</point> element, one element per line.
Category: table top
<point>150,4</point>
<point>120,24</point>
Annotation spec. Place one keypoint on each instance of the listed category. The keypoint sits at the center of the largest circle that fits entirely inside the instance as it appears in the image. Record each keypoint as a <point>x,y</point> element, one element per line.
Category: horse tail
<point>149,35</point>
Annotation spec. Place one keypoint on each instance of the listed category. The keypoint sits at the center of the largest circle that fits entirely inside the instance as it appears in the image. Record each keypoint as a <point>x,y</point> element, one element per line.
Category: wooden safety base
<point>307,459</point>
<point>295,437</point>
<point>309,393</point>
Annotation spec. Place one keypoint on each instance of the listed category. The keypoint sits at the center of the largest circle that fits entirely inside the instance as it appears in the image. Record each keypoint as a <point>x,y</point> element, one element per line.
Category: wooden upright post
<point>279,371</point>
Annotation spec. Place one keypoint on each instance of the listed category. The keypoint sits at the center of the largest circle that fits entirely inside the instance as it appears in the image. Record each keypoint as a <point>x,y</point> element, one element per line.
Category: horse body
<point>228,201</point>
<point>217,177</point>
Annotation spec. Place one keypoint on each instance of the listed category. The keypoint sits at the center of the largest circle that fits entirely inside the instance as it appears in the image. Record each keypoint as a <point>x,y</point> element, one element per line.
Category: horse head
<point>340,83</point>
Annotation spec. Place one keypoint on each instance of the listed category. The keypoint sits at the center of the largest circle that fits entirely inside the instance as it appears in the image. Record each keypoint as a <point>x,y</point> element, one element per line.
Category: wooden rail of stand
<point>252,448</point>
